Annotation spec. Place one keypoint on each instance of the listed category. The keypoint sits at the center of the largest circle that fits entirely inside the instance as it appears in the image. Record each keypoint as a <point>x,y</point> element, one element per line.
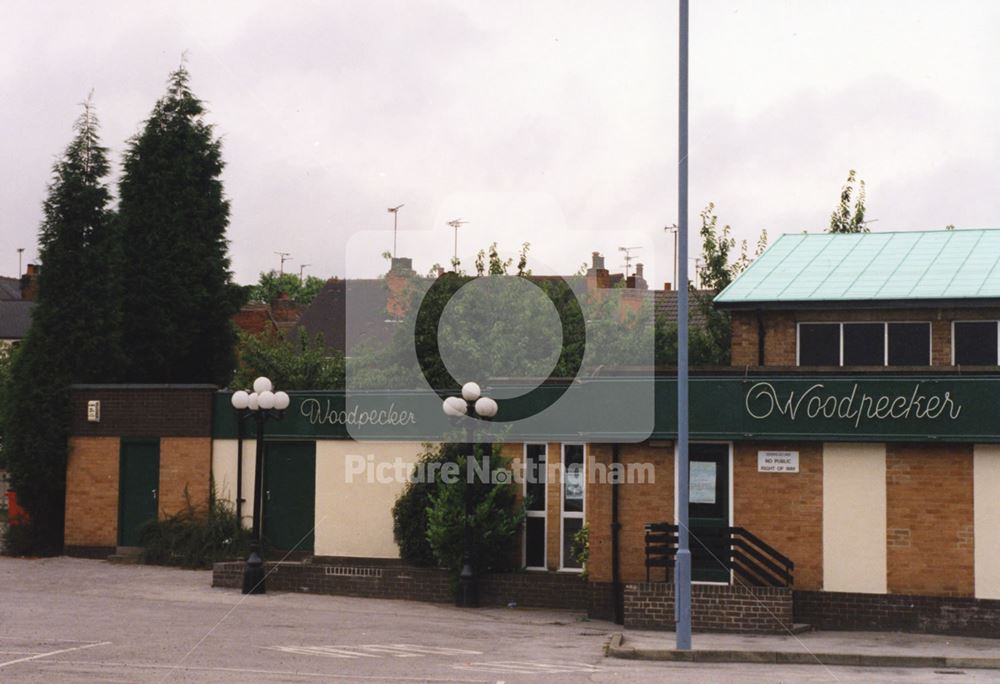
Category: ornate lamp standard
<point>474,405</point>
<point>261,404</point>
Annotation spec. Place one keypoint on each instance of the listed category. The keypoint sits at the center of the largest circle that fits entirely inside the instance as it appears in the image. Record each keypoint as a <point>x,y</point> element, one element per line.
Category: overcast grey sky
<point>530,120</point>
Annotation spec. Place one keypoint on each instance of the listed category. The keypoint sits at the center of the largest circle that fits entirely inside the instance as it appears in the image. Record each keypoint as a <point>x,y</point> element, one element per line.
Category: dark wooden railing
<point>732,549</point>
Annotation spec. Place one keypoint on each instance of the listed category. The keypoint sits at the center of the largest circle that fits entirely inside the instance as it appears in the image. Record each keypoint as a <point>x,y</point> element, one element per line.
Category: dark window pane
<point>534,477</point>
<point>534,542</point>
<point>909,344</point>
<point>570,527</point>
<point>864,344</point>
<point>819,344</point>
<point>573,477</point>
<point>976,343</point>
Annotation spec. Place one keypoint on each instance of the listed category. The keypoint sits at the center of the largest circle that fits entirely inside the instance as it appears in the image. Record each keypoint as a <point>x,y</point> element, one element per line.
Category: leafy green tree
<point>847,218</point>
<point>272,285</point>
<point>303,363</point>
<point>6,360</point>
<point>178,292</point>
<point>73,336</point>
<point>709,342</point>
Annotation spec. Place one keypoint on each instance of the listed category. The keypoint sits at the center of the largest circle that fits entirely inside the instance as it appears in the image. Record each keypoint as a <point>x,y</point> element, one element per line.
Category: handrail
<point>736,549</point>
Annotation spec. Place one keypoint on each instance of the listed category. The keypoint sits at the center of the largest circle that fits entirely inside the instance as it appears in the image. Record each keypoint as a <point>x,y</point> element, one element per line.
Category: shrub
<point>580,548</point>
<point>495,519</point>
<point>195,538</point>
<point>409,514</point>
<point>429,516</point>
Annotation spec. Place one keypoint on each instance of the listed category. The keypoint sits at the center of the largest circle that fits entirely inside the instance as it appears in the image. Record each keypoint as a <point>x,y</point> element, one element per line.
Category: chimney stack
<point>597,275</point>
<point>29,283</point>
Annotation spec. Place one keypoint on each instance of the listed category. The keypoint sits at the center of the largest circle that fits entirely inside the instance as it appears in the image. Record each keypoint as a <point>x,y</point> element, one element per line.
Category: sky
<point>553,123</point>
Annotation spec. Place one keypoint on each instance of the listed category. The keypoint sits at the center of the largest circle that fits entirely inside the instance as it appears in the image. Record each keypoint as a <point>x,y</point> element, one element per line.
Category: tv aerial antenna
<point>629,258</point>
<point>284,256</point>
<point>455,223</point>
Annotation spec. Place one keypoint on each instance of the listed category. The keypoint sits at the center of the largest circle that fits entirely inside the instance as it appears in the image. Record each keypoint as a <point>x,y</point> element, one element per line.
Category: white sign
<point>702,482</point>
<point>94,411</point>
<point>777,461</point>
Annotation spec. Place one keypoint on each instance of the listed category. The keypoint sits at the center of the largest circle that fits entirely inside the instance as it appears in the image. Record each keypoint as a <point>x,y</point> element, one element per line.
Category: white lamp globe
<point>486,407</point>
<point>470,391</point>
<point>240,400</point>
<point>266,400</point>
<point>281,401</point>
<point>454,407</point>
<point>252,402</point>
<point>261,385</point>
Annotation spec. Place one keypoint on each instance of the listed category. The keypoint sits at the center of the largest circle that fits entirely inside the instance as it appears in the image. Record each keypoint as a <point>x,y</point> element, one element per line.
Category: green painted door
<point>289,496</point>
<point>138,488</point>
<point>708,512</point>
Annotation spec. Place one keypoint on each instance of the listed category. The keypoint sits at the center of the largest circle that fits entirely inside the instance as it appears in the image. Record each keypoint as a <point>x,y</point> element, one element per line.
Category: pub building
<point>845,471</point>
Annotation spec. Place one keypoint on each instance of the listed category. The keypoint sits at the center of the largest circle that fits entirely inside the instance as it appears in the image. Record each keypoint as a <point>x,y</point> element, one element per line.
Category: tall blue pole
<point>682,569</point>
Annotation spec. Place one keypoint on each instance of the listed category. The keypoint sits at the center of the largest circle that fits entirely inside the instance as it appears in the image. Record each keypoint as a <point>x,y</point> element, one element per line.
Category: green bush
<point>429,516</point>
<point>23,540</point>
<point>195,538</point>
<point>409,514</point>
<point>495,519</point>
<point>580,548</point>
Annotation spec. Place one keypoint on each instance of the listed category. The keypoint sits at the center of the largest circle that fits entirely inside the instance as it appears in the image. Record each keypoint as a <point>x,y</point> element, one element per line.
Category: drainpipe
<point>239,469</point>
<point>761,334</point>
<point>616,582</point>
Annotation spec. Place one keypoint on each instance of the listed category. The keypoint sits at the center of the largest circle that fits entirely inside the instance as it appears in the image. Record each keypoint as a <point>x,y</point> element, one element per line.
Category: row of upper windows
<point>974,343</point>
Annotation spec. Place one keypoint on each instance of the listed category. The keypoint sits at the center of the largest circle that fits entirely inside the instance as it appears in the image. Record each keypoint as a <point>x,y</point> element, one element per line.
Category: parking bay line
<point>39,656</point>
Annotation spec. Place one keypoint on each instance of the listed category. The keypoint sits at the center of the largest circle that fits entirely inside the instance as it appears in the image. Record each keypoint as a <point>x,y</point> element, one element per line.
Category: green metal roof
<point>872,267</point>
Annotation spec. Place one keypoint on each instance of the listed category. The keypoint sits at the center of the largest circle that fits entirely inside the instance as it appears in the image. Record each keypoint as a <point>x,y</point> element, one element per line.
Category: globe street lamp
<point>474,405</point>
<point>261,404</point>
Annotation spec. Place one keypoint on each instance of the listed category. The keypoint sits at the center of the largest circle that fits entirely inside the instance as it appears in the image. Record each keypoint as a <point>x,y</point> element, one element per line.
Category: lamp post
<point>474,405</point>
<point>261,404</point>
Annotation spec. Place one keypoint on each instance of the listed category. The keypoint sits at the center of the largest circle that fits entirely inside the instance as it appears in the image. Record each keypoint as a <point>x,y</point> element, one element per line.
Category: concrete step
<point>126,555</point>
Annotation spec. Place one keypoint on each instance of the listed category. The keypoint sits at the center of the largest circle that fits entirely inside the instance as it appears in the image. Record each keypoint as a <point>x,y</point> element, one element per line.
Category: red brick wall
<point>783,509</point>
<point>929,527</point>
<point>144,410</point>
<point>780,327</point>
<point>713,608</point>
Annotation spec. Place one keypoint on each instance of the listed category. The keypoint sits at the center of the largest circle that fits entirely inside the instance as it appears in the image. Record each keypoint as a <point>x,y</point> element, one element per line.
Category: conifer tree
<point>73,336</point>
<point>178,290</point>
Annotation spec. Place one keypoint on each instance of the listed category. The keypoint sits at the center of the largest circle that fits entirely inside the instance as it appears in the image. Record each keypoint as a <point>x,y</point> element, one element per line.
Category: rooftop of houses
<point>900,268</point>
<point>10,288</point>
<point>15,318</point>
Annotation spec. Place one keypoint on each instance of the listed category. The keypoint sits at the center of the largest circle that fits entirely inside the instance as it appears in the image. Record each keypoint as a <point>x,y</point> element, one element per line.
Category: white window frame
<point>543,514</point>
<point>563,513</point>
<point>885,334</point>
<point>981,320</point>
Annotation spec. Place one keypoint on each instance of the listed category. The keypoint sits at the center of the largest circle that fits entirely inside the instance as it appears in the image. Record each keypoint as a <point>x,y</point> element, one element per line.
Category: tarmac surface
<point>70,620</point>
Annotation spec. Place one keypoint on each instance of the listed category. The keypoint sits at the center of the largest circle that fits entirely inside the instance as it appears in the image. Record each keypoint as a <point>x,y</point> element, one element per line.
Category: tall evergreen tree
<point>178,290</point>
<point>73,336</point>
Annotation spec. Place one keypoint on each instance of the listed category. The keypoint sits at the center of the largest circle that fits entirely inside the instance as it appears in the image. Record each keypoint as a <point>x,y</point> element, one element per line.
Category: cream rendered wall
<point>224,473</point>
<point>854,518</point>
<point>986,502</point>
<point>353,511</point>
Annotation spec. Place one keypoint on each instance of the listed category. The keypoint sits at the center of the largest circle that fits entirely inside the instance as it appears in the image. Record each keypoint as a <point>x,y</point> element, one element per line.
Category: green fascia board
<point>872,267</point>
<point>920,407</point>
